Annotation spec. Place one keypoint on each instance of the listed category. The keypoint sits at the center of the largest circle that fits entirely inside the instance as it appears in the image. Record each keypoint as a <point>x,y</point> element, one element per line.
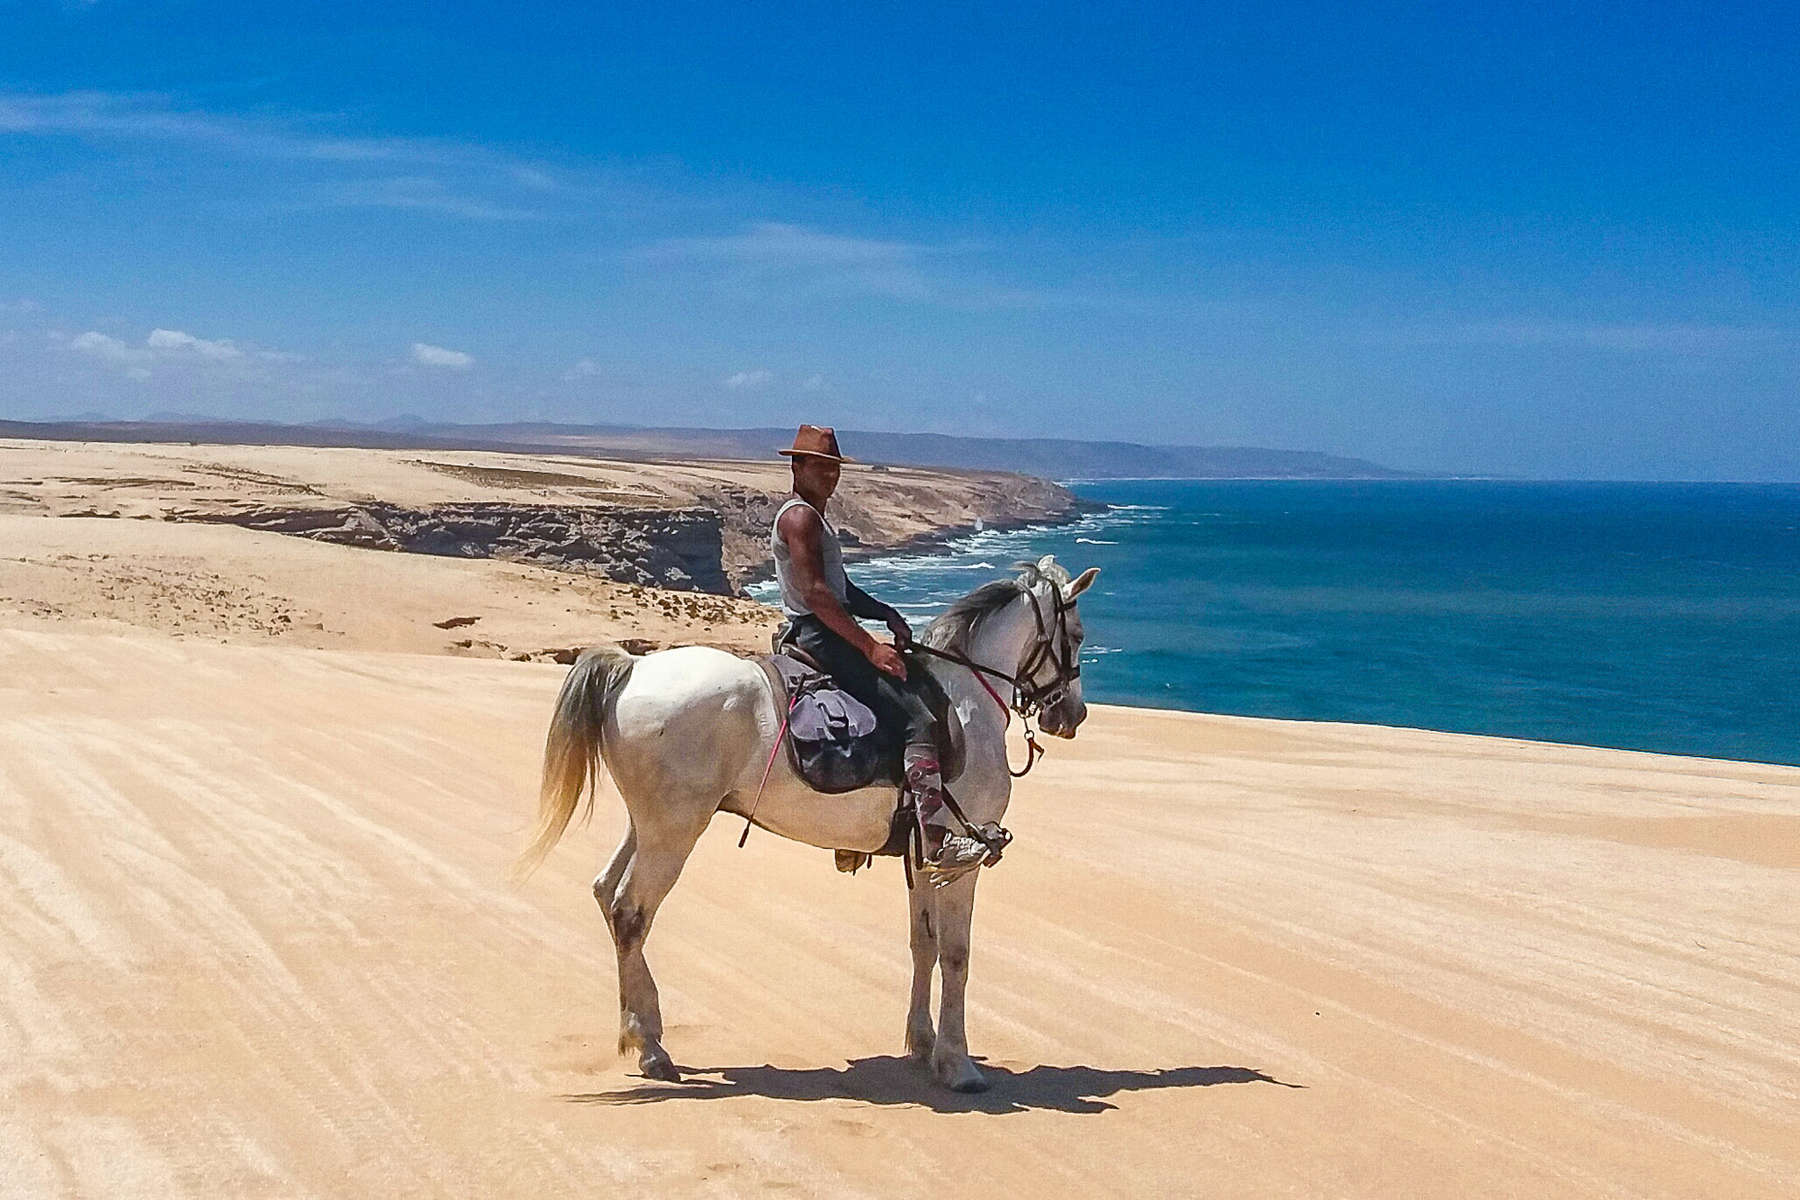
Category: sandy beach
<point>259,941</point>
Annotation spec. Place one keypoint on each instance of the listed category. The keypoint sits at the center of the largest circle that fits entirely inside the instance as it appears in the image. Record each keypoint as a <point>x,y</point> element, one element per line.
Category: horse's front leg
<point>953,912</point>
<point>920,1036</point>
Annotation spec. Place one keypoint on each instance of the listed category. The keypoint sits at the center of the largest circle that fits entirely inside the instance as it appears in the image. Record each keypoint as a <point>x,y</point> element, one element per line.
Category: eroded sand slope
<point>254,941</point>
<point>222,583</point>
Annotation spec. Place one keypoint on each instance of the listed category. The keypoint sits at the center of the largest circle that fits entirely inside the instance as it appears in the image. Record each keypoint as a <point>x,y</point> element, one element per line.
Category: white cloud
<point>175,342</point>
<point>587,368</point>
<point>776,259</point>
<point>776,242</point>
<point>814,383</point>
<point>110,350</point>
<point>1672,339</point>
<point>166,347</point>
<point>481,177</point>
<point>419,193</point>
<point>107,349</point>
<point>793,258</point>
<point>437,356</point>
<point>145,116</point>
<point>750,379</point>
<point>534,178</point>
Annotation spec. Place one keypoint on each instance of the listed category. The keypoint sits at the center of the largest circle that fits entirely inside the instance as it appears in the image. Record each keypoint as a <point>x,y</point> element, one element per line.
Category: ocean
<point>1661,617</point>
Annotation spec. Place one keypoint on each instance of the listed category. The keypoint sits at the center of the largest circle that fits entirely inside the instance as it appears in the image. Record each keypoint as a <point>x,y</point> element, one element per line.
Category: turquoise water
<point>1658,617</point>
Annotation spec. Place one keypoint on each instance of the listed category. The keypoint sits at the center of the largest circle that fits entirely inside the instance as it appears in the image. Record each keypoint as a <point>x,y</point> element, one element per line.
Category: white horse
<point>690,732</point>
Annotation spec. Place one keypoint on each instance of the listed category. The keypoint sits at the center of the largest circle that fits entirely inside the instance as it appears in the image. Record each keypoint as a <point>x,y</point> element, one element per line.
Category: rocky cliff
<point>674,548</point>
<point>697,526</point>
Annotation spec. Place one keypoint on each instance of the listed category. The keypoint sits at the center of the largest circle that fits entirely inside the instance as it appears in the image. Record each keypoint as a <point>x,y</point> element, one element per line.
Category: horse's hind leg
<point>645,867</point>
<point>606,893</point>
<point>920,1035</point>
<point>606,884</point>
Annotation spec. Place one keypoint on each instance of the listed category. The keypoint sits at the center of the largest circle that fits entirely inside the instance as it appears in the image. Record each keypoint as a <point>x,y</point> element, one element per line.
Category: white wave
<point>1094,542</point>
<point>927,566</point>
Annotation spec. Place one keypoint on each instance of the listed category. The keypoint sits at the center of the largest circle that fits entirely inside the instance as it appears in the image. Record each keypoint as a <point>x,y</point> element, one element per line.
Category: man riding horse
<point>822,608</point>
<point>691,732</point>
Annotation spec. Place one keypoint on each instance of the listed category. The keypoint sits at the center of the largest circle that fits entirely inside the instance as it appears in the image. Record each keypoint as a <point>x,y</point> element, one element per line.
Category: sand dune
<point>256,943</point>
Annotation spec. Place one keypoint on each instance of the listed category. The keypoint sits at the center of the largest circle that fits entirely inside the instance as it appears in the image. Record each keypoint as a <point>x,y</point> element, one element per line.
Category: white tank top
<point>831,558</point>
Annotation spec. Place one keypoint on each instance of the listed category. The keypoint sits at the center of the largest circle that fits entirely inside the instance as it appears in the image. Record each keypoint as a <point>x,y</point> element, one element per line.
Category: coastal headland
<point>263,766</point>
<point>501,554</point>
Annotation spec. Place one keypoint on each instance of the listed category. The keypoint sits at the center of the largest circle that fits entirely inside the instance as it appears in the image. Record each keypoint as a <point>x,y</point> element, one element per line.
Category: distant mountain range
<point>1051,458</point>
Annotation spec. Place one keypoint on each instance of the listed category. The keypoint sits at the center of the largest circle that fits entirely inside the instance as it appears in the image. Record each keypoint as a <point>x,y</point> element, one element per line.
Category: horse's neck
<point>999,642</point>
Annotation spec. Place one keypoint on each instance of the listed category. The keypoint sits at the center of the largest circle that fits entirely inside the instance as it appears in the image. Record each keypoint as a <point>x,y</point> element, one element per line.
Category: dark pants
<point>894,703</point>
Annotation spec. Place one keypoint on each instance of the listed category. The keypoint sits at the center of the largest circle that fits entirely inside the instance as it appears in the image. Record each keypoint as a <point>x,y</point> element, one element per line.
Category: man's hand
<point>900,629</point>
<point>888,660</point>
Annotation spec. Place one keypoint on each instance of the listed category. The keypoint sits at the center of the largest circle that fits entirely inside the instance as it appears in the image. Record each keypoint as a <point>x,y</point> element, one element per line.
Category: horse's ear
<point>1083,582</point>
<point>1045,563</point>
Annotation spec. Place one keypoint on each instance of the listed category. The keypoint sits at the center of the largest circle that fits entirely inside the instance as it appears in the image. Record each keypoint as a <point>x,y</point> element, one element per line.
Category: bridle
<point>1052,645</point>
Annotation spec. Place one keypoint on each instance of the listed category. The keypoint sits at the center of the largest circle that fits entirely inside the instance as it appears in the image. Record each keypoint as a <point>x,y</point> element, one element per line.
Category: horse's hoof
<point>970,1084</point>
<point>964,1077</point>
<point>659,1068</point>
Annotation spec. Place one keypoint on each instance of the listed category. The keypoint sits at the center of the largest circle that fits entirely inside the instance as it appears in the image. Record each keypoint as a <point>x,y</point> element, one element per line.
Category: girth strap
<point>778,689</point>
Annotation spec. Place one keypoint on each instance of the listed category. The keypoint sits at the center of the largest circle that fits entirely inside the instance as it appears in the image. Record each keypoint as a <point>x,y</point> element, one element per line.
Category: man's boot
<point>948,856</point>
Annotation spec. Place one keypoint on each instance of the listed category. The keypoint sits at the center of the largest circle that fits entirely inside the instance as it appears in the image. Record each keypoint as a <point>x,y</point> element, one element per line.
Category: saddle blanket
<point>836,743</point>
<point>817,711</point>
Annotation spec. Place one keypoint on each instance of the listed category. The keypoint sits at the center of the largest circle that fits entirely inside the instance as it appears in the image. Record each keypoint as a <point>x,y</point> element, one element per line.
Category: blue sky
<point>1556,241</point>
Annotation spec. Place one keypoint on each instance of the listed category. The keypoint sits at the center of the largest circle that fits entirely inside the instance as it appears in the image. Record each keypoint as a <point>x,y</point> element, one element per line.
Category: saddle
<point>835,743</point>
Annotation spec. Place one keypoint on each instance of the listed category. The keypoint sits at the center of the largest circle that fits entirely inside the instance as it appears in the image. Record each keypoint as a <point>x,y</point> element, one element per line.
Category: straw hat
<point>816,441</point>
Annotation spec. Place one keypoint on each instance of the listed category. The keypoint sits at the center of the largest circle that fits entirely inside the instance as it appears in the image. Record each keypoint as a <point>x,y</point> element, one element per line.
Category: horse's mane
<point>953,629</point>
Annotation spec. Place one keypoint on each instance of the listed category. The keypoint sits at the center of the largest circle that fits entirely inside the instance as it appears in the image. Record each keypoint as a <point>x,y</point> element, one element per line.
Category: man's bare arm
<point>800,528</point>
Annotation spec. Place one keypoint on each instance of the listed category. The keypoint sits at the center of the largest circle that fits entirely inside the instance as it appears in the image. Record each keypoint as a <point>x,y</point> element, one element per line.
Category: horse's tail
<point>572,747</point>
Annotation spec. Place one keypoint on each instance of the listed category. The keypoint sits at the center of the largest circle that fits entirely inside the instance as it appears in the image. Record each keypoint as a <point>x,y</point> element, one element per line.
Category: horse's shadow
<point>893,1080</point>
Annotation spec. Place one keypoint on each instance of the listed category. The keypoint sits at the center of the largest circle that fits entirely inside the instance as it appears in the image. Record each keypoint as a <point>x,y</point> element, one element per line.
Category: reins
<point>1033,751</point>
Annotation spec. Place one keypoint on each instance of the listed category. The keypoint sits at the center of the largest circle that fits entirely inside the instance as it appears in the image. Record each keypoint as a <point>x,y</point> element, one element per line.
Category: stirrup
<point>995,837</point>
<point>959,855</point>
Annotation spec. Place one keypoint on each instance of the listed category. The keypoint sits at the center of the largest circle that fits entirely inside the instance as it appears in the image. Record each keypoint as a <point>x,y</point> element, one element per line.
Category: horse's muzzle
<point>1057,723</point>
